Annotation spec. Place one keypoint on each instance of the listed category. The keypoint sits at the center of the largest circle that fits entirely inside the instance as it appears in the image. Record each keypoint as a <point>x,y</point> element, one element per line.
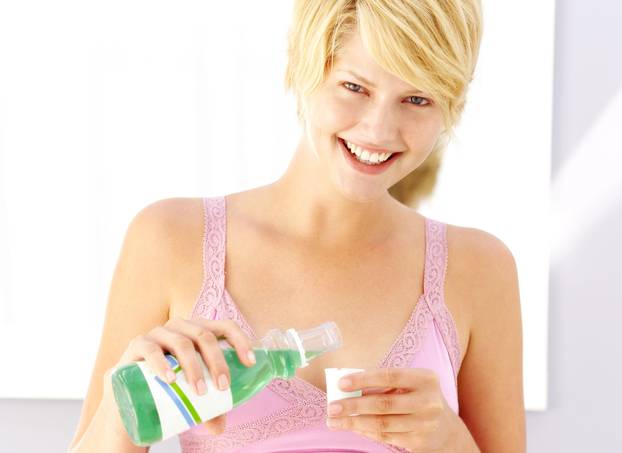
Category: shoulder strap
<point>435,264</point>
<point>213,257</point>
<point>434,288</point>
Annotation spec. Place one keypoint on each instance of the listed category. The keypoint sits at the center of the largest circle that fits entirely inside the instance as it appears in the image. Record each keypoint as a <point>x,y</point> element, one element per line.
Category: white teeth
<point>366,156</point>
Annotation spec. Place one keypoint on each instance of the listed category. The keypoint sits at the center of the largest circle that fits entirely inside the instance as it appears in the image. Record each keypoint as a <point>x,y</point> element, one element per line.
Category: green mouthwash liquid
<point>153,410</point>
<point>245,381</point>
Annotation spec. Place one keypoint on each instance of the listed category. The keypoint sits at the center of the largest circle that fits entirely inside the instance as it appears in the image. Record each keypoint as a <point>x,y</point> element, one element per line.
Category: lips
<point>366,168</point>
<point>343,142</point>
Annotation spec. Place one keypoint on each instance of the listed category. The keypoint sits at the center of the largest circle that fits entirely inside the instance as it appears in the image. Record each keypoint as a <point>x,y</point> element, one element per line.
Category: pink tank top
<point>289,415</point>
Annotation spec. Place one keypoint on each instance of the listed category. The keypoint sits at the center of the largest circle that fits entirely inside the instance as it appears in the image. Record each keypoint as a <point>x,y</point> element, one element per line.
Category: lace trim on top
<point>214,233</point>
<point>433,287</point>
<point>307,403</point>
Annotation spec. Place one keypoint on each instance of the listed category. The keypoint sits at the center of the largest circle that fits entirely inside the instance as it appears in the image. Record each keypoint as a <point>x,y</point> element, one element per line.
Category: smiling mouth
<point>356,154</point>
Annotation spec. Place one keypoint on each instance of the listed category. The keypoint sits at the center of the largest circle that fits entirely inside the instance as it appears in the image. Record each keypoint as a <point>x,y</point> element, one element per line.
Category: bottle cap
<point>333,392</point>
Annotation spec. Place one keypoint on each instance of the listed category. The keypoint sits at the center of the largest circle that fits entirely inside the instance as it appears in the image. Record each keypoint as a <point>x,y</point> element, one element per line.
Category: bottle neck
<point>293,336</point>
<point>281,351</point>
<point>296,348</point>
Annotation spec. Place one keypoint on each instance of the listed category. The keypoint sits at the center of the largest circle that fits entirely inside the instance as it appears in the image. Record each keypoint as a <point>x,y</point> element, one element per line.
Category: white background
<point>107,107</point>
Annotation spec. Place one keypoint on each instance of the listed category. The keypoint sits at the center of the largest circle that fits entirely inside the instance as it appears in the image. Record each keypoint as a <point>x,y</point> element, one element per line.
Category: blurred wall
<point>584,316</point>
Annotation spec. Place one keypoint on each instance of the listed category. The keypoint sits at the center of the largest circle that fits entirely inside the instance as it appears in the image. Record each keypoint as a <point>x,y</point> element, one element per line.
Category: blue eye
<point>346,84</point>
<point>351,84</point>
<point>419,97</point>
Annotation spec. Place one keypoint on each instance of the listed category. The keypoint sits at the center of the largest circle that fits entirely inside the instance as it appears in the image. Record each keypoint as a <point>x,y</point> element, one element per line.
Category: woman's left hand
<point>409,411</point>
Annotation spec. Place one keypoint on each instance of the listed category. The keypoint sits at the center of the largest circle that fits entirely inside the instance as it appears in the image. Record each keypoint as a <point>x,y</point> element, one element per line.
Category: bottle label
<point>179,407</point>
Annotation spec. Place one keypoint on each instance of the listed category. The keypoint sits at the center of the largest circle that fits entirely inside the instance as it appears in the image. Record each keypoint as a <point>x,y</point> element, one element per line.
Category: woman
<point>430,311</point>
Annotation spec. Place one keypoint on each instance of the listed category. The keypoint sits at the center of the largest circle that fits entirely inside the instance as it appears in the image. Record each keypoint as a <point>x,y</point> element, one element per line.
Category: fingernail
<point>223,382</point>
<point>201,386</point>
<point>251,356</point>
<point>345,384</point>
<point>170,376</point>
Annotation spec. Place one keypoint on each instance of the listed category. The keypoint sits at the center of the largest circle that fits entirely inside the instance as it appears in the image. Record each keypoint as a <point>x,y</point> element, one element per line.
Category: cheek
<point>344,107</point>
<point>420,146</point>
<point>423,136</point>
<point>333,113</point>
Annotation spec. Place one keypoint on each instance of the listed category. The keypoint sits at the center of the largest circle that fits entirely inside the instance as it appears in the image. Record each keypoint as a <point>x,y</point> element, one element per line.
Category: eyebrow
<point>364,80</point>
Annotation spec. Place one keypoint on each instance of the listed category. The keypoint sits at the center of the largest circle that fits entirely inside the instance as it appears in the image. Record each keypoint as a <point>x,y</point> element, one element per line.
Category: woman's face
<point>383,112</point>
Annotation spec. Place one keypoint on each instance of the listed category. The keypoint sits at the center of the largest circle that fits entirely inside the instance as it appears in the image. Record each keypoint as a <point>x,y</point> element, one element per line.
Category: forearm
<point>106,432</point>
<point>461,440</point>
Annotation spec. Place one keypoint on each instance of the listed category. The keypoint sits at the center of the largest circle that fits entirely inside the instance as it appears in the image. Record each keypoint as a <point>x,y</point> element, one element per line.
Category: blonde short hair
<point>431,44</point>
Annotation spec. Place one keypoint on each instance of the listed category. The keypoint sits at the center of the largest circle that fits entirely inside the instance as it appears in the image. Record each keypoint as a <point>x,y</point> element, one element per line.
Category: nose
<point>379,127</point>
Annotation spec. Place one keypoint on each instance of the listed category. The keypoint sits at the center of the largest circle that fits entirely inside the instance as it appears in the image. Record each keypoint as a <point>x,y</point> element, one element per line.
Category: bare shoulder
<point>160,235</point>
<point>481,263</point>
<point>174,214</point>
<point>481,255</point>
<point>490,381</point>
<point>180,224</point>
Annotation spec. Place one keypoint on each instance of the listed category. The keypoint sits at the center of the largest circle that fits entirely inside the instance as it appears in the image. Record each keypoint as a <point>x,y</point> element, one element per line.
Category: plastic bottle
<point>153,410</point>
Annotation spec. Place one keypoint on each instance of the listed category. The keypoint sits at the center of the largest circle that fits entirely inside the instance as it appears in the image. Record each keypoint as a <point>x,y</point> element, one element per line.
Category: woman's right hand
<point>182,337</point>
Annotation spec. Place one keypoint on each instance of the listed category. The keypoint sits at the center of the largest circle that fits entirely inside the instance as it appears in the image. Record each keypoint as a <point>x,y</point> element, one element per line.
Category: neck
<point>308,207</point>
